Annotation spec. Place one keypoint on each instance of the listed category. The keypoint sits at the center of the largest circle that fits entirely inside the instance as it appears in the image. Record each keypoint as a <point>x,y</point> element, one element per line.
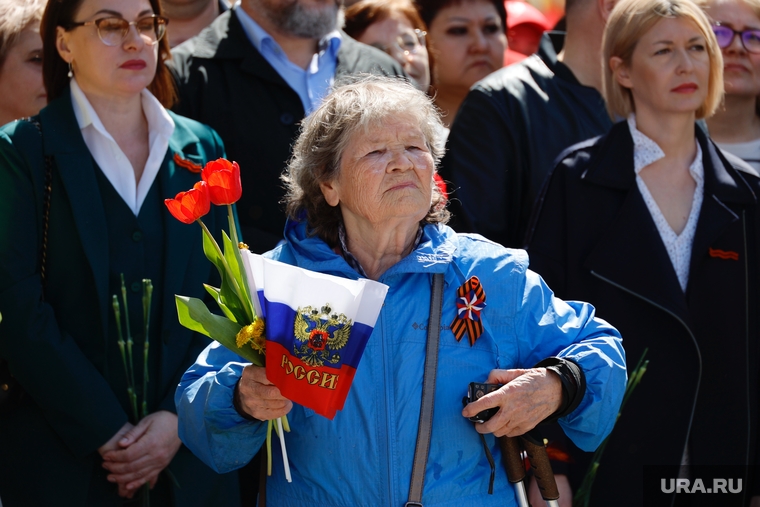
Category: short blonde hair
<point>15,16</point>
<point>628,22</point>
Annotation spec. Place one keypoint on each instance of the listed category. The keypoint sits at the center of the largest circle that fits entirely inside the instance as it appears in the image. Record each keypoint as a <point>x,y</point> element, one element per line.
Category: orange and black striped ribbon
<point>471,299</point>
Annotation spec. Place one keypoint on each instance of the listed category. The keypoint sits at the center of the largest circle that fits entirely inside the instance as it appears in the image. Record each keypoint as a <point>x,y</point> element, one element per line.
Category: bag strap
<point>428,395</point>
<point>46,215</point>
<point>47,191</point>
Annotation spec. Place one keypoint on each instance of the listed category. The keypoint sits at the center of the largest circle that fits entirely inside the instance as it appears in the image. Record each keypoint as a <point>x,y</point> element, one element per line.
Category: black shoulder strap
<point>47,191</point>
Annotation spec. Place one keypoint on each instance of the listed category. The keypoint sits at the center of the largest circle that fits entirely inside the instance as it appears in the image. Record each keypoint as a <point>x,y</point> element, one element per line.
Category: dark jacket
<point>227,84</point>
<point>594,240</point>
<point>504,140</point>
<point>59,349</point>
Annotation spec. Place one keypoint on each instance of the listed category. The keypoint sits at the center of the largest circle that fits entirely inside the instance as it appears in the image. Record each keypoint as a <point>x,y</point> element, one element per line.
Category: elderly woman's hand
<point>258,397</point>
<point>527,398</point>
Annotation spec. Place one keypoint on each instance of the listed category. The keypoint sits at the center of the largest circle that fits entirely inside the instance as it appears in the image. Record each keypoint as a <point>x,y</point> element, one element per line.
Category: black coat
<point>505,137</point>
<point>593,239</point>
<point>227,84</point>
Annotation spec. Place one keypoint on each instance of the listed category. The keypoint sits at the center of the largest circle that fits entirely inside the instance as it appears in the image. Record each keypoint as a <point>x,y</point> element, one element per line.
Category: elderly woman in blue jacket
<point>362,204</point>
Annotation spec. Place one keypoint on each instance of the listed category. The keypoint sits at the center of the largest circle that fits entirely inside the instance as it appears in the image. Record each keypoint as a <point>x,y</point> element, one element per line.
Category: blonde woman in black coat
<point>659,230</point>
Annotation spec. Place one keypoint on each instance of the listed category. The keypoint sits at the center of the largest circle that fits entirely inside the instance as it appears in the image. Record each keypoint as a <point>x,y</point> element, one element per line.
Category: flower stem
<point>243,280</point>
<point>230,275</point>
<point>269,447</point>
<point>147,299</point>
<point>285,423</point>
<point>233,229</point>
<point>117,315</point>
<point>131,381</point>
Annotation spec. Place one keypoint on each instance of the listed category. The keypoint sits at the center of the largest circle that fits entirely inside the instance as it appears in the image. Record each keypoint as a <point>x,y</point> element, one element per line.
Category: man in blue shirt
<point>252,75</point>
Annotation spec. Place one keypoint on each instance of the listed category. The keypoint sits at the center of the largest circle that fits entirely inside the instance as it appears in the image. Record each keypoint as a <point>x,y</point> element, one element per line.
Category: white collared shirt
<point>110,157</point>
<point>645,152</point>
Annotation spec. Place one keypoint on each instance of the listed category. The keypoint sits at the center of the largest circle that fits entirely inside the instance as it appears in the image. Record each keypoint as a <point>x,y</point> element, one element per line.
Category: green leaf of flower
<point>194,315</point>
<point>217,295</point>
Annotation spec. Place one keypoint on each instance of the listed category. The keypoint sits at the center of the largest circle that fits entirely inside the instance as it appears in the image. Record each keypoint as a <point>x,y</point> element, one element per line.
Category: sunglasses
<point>750,39</point>
<point>113,31</point>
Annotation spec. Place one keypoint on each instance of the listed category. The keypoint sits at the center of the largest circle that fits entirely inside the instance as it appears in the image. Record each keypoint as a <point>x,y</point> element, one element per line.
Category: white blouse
<point>645,152</point>
<point>109,156</point>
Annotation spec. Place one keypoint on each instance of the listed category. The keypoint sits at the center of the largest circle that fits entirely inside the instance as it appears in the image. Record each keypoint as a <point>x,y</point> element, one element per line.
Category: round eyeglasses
<point>113,31</point>
<point>411,42</point>
<point>750,39</point>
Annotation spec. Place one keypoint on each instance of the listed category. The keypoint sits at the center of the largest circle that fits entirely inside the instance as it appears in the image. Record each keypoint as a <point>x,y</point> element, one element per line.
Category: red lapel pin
<point>190,166</point>
<point>724,254</point>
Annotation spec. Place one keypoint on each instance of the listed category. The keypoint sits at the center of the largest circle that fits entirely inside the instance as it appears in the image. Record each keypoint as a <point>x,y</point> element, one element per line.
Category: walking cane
<point>511,455</point>
<point>542,469</point>
<point>539,461</point>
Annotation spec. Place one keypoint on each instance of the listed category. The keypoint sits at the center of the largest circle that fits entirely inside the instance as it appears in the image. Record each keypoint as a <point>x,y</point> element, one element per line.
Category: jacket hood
<point>436,250</point>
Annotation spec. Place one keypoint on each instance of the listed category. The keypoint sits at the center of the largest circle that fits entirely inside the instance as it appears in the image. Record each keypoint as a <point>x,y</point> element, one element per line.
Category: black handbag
<point>11,392</point>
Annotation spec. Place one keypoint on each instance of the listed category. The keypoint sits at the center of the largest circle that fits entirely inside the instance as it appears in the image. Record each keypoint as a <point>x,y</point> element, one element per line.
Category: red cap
<point>519,13</point>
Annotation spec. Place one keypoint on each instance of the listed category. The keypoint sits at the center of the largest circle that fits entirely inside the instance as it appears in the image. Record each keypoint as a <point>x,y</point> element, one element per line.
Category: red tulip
<point>187,207</point>
<point>223,178</point>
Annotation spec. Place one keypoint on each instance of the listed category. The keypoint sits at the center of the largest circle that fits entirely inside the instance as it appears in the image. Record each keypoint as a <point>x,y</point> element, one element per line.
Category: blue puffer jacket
<point>364,456</point>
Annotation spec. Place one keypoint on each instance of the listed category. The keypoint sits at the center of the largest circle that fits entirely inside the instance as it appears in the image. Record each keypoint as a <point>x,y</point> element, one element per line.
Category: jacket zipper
<point>693,339</point>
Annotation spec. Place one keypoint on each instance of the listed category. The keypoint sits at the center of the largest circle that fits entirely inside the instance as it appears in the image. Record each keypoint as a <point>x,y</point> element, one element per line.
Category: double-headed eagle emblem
<point>319,333</point>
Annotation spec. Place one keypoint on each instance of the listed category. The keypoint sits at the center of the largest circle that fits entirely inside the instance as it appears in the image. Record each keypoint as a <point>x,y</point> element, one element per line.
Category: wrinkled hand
<point>527,398</point>
<point>563,486</point>
<point>258,397</point>
<point>143,452</point>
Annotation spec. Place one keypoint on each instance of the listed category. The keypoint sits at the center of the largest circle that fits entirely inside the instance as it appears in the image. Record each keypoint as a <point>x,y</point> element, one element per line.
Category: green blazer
<point>55,340</point>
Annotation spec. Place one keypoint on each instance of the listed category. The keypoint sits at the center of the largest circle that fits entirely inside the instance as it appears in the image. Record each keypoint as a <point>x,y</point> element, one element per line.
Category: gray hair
<point>360,104</point>
<point>15,16</point>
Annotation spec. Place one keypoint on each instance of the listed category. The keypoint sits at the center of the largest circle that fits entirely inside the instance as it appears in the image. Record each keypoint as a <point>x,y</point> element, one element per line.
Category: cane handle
<point>542,469</point>
<point>511,455</point>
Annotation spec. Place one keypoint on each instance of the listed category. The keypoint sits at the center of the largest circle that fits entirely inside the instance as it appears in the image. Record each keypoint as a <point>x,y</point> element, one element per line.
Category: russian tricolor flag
<point>317,326</point>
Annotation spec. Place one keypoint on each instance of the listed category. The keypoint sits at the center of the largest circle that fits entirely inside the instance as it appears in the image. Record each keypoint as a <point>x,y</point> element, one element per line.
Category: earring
<point>70,74</point>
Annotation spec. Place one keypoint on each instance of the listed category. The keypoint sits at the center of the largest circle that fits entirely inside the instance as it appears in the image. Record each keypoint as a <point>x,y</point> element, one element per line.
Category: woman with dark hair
<point>467,39</point>
<point>735,126</point>
<point>82,187</point>
<point>395,27</point>
<point>660,230</point>
<point>21,90</point>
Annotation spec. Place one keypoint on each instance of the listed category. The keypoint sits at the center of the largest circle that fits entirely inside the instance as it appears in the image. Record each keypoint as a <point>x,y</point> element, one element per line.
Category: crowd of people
<point>599,185</point>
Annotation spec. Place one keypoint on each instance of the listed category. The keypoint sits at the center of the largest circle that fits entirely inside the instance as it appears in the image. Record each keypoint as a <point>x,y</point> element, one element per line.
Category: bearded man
<point>252,75</point>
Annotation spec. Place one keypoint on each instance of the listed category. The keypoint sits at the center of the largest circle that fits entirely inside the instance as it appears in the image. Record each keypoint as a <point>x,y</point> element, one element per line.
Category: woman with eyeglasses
<point>395,27</point>
<point>82,189</point>
<point>660,231</point>
<point>735,127</point>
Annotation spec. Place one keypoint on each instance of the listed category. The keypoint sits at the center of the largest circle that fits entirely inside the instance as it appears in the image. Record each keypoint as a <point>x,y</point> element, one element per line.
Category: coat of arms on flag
<point>317,327</point>
<point>319,335</point>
